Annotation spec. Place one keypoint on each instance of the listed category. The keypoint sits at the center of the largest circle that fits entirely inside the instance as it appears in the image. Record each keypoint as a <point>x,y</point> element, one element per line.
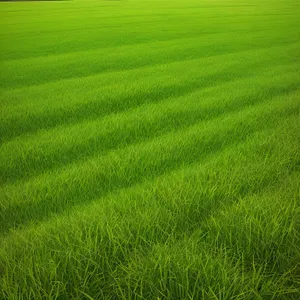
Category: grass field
<point>150,149</point>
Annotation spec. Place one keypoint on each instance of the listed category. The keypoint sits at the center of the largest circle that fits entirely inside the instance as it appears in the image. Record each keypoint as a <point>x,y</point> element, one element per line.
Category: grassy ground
<point>150,149</point>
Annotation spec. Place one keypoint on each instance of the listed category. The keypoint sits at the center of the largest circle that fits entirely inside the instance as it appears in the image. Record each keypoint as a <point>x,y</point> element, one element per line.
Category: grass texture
<point>150,150</point>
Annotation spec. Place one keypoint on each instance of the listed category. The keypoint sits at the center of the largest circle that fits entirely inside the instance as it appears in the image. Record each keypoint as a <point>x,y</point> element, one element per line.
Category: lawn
<point>150,149</point>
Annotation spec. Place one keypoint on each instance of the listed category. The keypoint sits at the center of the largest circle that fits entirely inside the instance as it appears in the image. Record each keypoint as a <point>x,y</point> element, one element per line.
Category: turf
<point>150,149</point>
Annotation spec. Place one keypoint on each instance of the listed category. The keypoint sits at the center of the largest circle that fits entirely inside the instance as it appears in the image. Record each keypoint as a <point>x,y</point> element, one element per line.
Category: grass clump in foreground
<point>150,154</point>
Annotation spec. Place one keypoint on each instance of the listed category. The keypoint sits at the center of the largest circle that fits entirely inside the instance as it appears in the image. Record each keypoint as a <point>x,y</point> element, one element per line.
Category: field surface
<point>150,149</point>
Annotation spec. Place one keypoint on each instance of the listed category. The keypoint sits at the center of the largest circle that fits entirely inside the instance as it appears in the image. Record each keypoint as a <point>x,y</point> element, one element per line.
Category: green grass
<point>150,149</point>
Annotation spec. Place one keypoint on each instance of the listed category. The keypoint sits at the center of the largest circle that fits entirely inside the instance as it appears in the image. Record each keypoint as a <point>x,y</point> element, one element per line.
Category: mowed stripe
<point>25,157</point>
<point>150,150</point>
<point>111,226</point>
<point>14,98</point>
<point>83,182</point>
<point>71,101</point>
<point>35,71</point>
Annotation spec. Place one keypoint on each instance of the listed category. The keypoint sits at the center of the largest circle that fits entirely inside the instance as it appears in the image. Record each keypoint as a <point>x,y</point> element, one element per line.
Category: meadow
<point>150,149</point>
